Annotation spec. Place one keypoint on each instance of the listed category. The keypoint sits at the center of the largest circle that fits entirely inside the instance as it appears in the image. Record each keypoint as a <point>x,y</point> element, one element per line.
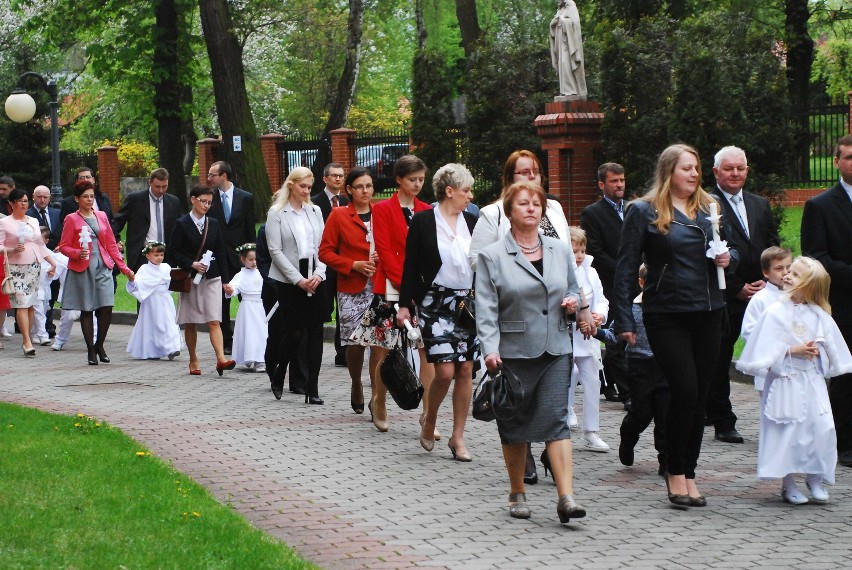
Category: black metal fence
<point>312,152</point>
<point>827,122</point>
<point>378,151</point>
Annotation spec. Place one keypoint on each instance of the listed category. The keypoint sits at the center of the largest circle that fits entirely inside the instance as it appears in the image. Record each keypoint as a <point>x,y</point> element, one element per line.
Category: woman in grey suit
<point>525,288</point>
<point>294,229</point>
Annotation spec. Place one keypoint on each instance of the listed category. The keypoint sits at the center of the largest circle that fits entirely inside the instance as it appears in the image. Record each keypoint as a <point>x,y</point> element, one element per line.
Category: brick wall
<point>109,175</point>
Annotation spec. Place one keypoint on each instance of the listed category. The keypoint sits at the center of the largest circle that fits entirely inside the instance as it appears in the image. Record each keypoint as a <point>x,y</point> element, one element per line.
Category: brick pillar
<point>109,175</point>
<point>273,159</point>
<point>570,132</point>
<point>342,147</point>
<point>208,153</point>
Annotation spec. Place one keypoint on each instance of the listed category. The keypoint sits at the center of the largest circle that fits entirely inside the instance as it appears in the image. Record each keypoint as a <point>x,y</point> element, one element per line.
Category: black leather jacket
<point>681,278</point>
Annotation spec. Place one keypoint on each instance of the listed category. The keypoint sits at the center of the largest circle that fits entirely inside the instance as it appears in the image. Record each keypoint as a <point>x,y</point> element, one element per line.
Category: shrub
<point>134,158</point>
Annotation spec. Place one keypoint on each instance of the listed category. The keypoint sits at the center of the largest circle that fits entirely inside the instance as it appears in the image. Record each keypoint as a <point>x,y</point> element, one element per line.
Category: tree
<point>229,87</point>
<point>349,76</point>
<point>468,25</point>
<point>800,55</point>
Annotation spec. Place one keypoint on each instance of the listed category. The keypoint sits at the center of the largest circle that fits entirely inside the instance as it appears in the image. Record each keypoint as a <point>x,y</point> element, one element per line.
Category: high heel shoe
<point>530,474</point>
<point>314,400</point>
<point>93,356</point>
<point>381,425</point>
<point>194,371</point>
<point>518,508</point>
<point>463,456</point>
<point>545,461</point>
<point>28,351</point>
<point>357,398</point>
<point>426,443</point>
<point>225,365</point>
<point>679,500</point>
<point>437,433</point>
<point>568,509</point>
<point>102,355</point>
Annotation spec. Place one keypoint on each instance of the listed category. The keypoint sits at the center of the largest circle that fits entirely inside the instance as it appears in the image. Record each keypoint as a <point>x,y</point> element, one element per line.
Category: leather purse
<point>8,287</point>
<point>497,396</point>
<point>466,313</point>
<point>181,279</point>
<point>398,376</point>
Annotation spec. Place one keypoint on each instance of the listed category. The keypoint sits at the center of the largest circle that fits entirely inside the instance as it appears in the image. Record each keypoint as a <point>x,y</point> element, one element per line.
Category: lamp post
<point>20,107</point>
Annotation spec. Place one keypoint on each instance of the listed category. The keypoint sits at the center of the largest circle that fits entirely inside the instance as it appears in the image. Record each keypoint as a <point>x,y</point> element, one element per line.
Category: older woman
<point>522,166</point>
<point>391,219</point>
<point>88,242</point>
<point>437,278</point>
<point>525,285</point>
<point>681,302</point>
<point>347,248</point>
<point>22,244</point>
<point>193,235</point>
<point>293,231</point>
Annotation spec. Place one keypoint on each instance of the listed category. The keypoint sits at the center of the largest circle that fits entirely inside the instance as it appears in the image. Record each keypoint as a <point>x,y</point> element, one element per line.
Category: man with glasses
<point>102,203</point>
<point>234,208</point>
<point>332,197</point>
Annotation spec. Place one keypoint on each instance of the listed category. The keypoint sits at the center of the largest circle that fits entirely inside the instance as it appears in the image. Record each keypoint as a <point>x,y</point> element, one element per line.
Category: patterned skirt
<point>25,278</point>
<point>444,338</point>
<point>378,326</point>
<point>351,308</point>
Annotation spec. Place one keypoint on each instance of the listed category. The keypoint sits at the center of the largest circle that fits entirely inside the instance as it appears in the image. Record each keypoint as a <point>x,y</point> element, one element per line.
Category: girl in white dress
<point>250,331</point>
<point>796,345</point>
<point>156,333</point>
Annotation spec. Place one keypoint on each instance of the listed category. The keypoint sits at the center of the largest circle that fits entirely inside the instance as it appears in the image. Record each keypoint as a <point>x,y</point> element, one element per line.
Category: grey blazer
<point>283,247</point>
<point>519,313</point>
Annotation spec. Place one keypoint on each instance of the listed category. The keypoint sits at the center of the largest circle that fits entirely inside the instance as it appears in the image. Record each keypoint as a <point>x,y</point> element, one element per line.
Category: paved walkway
<point>323,480</point>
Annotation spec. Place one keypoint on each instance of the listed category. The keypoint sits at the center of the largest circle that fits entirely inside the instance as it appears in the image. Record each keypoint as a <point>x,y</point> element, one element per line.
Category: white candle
<point>714,221</point>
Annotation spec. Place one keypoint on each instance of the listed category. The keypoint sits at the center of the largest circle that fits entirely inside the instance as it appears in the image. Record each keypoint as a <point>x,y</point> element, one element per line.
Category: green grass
<point>78,494</point>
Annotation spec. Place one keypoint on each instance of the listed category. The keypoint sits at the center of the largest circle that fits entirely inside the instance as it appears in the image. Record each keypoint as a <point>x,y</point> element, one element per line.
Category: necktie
<point>335,201</point>
<point>159,216</point>
<point>227,207</point>
<point>619,207</point>
<point>738,208</point>
<point>43,218</point>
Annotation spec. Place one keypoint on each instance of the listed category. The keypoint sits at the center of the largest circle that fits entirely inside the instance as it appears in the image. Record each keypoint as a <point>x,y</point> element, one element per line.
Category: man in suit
<point>751,228</point>
<point>102,202</point>
<point>149,216</point>
<point>826,236</point>
<point>7,184</point>
<point>234,208</point>
<point>332,197</point>
<point>49,218</point>
<point>602,222</point>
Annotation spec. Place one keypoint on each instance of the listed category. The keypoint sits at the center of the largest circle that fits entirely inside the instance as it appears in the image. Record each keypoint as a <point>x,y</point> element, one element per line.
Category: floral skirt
<point>351,308</point>
<point>378,326</point>
<point>444,338</point>
<point>25,278</point>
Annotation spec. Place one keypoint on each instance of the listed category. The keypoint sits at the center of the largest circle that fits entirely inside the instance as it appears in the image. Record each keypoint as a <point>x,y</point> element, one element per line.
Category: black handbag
<point>497,396</point>
<point>466,313</point>
<point>398,376</point>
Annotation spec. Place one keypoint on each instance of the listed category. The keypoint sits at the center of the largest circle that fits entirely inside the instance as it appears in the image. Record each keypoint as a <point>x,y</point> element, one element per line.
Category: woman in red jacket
<point>347,247</point>
<point>390,230</point>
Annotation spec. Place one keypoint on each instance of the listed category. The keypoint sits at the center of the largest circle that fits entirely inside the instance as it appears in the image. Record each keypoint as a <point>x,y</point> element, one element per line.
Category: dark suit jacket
<point>55,225</point>
<point>185,240</point>
<point>321,199</point>
<point>763,232</point>
<point>422,257</point>
<point>136,213</point>
<point>827,237</point>
<point>603,232</point>
<point>240,229</point>
<point>68,206</point>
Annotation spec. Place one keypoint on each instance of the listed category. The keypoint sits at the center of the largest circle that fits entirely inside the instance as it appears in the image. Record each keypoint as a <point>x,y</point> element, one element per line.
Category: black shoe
<point>628,404</point>
<point>340,361</point>
<point>545,461</point>
<point>313,400</point>
<point>102,355</point>
<point>729,436</point>
<point>625,453</point>
<point>530,474</point>
<point>610,392</point>
<point>93,356</point>
<point>227,349</point>
<point>845,458</point>
<point>277,383</point>
<point>300,391</point>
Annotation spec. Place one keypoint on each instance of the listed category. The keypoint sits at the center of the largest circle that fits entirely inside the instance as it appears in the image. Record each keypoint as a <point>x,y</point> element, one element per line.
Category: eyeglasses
<point>85,177</point>
<point>334,176</point>
<point>362,187</point>
<point>527,173</point>
<point>205,202</point>
<point>212,175</point>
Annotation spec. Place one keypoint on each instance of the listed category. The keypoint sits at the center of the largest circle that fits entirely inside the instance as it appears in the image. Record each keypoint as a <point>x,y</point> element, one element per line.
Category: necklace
<point>528,249</point>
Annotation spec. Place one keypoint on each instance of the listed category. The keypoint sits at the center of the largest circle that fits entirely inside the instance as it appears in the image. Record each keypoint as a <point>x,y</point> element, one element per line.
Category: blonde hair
<point>660,194</point>
<point>814,283</point>
<point>577,234</point>
<point>283,195</point>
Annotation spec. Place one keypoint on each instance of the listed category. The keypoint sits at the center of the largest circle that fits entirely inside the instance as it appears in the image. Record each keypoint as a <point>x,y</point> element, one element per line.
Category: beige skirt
<point>203,303</point>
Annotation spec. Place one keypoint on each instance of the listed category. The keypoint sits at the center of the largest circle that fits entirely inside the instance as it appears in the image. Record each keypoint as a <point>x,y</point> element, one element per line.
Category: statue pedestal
<point>570,132</point>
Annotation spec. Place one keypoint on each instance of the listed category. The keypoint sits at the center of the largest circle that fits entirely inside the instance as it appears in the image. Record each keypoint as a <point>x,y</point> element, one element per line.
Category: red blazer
<point>69,244</point>
<point>391,231</point>
<point>344,241</point>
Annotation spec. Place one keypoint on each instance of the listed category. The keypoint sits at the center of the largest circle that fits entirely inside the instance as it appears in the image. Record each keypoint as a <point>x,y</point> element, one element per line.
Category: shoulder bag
<point>398,376</point>
<point>181,279</point>
<point>8,287</point>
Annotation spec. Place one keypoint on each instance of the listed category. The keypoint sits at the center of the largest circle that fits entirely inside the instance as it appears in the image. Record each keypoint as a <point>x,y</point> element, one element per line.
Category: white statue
<point>566,51</point>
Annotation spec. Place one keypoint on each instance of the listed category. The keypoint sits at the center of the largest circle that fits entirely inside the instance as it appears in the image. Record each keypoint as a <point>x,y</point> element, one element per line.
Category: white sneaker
<point>259,367</point>
<point>792,495</point>
<point>5,333</point>
<point>43,340</point>
<point>819,495</point>
<point>57,345</point>
<point>572,418</point>
<point>593,442</point>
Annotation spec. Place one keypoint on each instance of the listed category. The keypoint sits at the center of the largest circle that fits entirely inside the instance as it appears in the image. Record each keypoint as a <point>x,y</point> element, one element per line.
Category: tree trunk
<point>189,138</point>
<point>468,25</point>
<point>232,106</point>
<point>349,77</point>
<point>420,25</point>
<point>167,95</point>
<point>800,57</point>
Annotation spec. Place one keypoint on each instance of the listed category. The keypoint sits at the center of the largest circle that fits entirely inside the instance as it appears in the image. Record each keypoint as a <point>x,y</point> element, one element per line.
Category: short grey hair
<point>452,175</point>
<point>727,151</point>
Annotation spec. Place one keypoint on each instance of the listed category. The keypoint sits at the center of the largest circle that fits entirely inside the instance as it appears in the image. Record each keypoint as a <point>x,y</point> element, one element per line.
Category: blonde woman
<point>294,229</point>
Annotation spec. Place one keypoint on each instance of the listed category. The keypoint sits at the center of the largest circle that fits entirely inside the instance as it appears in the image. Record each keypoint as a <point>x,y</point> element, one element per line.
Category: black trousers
<point>298,364</point>
<point>720,412</point>
<point>649,392</point>
<point>686,346</point>
<point>840,395</point>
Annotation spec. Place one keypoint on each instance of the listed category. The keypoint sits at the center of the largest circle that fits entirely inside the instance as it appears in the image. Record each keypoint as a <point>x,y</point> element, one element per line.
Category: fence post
<point>342,149</point>
<point>207,155</point>
<point>272,159</point>
<point>109,175</point>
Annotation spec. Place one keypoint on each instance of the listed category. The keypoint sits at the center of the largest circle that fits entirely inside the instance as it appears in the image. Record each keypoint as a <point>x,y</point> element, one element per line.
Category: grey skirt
<point>90,289</point>
<point>203,303</point>
<point>543,412</point>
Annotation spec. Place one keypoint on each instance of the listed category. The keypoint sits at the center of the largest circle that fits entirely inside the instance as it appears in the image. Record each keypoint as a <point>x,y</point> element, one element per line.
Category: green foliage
<point>134,158</point>
<point>833,67</point>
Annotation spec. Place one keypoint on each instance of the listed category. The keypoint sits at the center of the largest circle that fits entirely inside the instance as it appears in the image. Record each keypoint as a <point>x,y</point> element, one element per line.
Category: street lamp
<point>20,107</point>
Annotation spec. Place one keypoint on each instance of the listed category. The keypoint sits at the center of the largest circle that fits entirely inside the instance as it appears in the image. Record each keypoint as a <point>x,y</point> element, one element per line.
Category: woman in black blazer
<point>437,278</point>
<point>203,303</point>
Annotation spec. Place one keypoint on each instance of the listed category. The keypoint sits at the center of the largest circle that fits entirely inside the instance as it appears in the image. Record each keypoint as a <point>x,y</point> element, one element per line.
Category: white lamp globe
<point>20,107</point>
